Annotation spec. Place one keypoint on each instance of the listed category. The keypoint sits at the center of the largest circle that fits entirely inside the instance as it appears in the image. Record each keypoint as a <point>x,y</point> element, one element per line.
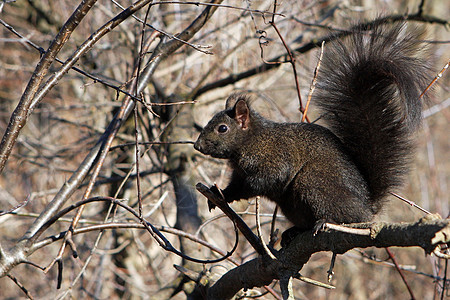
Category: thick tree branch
<point>427,233</point>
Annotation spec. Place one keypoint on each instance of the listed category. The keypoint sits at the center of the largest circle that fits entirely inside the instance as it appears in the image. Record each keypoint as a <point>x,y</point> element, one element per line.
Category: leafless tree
<point>100,105</point>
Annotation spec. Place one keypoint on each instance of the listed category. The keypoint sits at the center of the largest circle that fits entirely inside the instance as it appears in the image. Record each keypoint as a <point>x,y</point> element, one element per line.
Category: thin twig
<point>340,228</point>
<point>142,50</point>
<point>444,281</point>
<point>410,203</point>
<point>438,76</point>
<point>11,210</point>
<point>330,271</point>
<point>150,144</point>
<point>314,282</point>
<point>258,229</point>
<point>313,83</point>
<point>21,286</point>
<point>273,231</point>
<point>399,270</point>
<point>222,6</point>
<point>291,60</point>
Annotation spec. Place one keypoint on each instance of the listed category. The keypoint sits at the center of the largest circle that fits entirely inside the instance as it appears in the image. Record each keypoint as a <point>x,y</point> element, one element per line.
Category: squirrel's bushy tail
<point>368,90</point>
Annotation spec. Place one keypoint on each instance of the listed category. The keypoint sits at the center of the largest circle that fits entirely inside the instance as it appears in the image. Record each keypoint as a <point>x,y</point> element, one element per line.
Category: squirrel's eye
<point>222,128</point>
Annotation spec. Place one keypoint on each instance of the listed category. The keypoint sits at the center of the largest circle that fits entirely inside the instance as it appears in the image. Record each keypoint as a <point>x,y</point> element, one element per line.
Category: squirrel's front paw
<point>320,226</point>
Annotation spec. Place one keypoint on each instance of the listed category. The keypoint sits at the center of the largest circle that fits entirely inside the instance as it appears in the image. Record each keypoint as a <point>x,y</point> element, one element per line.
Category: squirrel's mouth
<point>199,146</point>
<point>208,148</point>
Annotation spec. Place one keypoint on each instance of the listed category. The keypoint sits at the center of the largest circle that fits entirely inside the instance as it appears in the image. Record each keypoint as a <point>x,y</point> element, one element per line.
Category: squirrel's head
<point>227,132</point>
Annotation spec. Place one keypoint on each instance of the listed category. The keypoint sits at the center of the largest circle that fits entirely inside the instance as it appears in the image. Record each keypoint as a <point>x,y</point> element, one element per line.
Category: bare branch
<point>22,111</point>
<point>265,67</point>
<point>262,270</point>
<point>246,231</point>
<point>21,250</point>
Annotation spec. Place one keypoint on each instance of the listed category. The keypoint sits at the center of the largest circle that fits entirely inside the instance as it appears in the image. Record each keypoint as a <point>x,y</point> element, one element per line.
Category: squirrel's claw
<point>211,206</point>
<point>319,227</point>
<point>216,191</point>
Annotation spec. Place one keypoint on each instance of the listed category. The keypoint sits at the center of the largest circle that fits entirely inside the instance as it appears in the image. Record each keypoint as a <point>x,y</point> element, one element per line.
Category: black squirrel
<point>368,91</point>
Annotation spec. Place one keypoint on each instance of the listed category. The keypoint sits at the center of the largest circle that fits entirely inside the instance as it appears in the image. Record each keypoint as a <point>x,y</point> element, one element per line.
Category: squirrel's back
<point>368,90</point>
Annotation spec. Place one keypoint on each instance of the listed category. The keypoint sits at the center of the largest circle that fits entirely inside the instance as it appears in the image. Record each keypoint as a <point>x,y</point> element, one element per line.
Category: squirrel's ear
<point>242,113</point>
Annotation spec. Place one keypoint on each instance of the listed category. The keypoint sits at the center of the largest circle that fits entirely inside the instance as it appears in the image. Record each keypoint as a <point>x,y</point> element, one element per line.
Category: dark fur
<point>368,90</point>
